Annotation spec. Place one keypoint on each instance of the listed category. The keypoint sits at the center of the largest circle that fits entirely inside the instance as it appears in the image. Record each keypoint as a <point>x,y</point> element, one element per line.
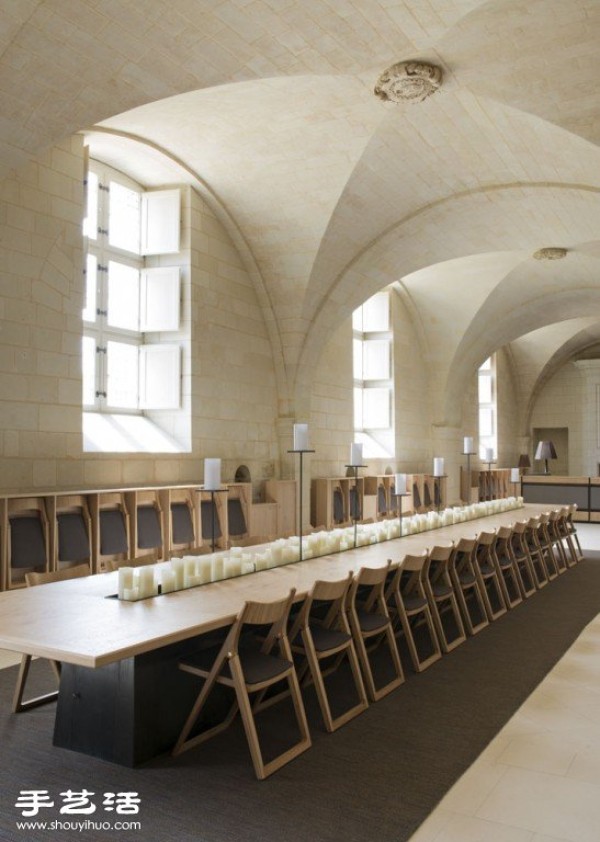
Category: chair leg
<point>473,627</point>
<point>183,743</point>
<point>492,613</point>
<point>18,705</point>
<point>331,723</point>
<point>373,693</point>
<point>448,645</point>
<point>262,769</point>
<point>420,664</point>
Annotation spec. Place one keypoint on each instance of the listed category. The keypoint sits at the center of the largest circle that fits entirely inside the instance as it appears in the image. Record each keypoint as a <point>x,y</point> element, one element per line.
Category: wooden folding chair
<point>538,554</point>
<point>19,705</point>
<point>247,669</point>
<point>410,611</point>
<point>442,599</point>
<point>532,575</point>
<point>554,540</point>
<point>489,576</point>
<point>370,621</point>
<point>508,571</point>
<point>572,529</point>
<point>467,586</point>
<point>328,636</point>
<point>562,526</point>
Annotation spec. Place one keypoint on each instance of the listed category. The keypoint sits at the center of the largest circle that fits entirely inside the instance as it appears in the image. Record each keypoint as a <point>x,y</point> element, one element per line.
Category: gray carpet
<point>375,780</point>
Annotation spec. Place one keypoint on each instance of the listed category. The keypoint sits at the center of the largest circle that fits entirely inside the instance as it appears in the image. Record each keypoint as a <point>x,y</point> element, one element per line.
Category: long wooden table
<point>121,695</point>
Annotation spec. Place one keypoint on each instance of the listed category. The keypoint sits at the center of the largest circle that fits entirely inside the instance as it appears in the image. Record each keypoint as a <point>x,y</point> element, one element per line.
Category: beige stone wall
<point>332,403</point>
<point>508,415</point>
<point>228,367</point>
<point>561,404</point>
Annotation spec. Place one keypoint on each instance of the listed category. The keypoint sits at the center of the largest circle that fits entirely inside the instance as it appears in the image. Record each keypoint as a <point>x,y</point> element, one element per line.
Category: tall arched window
<point>488,408</point>
<point>373,376</point>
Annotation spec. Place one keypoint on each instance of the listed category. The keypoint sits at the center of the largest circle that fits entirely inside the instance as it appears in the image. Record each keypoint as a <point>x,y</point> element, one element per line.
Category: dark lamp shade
<point>524,461</point>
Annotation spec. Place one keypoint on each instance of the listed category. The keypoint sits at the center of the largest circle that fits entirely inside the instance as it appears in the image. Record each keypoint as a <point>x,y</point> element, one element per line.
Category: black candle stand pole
<point>399,506</point>
<point>213,512</point>
<point>357,511</point>
<point>437,482</point>
<point>301,452</point>
<point>468,455</point>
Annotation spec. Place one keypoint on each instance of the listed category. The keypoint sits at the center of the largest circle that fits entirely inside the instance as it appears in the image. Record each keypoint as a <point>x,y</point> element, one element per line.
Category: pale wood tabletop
<point>75,622</point>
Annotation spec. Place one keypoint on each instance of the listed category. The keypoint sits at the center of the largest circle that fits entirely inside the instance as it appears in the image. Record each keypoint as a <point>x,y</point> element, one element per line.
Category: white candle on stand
<point>212,474</point>
<point>438,466</point>
<point>400,483</point>
<point>300,436</point>
<point>468,444</point>
<point>489,454</point>
<point>356,453</point>
<point>515,475</point>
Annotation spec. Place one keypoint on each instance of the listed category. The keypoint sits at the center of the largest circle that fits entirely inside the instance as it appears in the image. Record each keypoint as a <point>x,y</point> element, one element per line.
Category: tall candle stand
<point>490,495</point>
<point>468,489</point>
<point>301,453</point>
<point>213,512</point>
<point>437,492</point>
<point>399,506</point>
<point>357,507</point>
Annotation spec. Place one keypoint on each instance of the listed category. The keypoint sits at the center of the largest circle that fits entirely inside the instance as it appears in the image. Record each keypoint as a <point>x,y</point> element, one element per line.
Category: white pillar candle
<point>217,569</point>
<point>131,594</point>
<point>400,483</point>
<point>438,466</point>
<point>356,456</point>
<point>468,444</point>
<point>515,475</point>
<point>125,580</point>
<point>177,565</point>
<point>167,580</point>
<point>204,568</point>
<point>212,474</point>
<point>300,436</point>
<point>146,581</point>
<point>489,454</point>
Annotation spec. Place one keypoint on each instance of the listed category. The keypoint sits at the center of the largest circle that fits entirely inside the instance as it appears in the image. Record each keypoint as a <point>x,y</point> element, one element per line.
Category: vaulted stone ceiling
<point>330,193</point>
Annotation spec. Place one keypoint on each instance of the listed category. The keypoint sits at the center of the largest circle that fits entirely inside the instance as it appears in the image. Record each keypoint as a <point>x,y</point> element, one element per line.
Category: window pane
<point>88,358</point>
<point>376,409</point>
<point>90,223</point>
<point>123,296</point>
<point>376,359</point>
<point>91,286</point>
<point>376,312</point>
<point>485,388</point>
<point>486,422</point>
<point>357,348</point>
<point>487,365</point>
<point>124,218</point>
<point>358,413</point>
<point>122,375</point>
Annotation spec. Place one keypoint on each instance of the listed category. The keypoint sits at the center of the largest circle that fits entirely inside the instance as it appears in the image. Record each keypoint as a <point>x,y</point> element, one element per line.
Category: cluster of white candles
<point>190,571</point>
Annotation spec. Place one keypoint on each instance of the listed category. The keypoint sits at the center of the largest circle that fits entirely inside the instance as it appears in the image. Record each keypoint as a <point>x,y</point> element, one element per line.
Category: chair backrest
<point>335,593</point>
<point>149,533</point>
<point>382,506</point>
<point>27,533</point>
<point>207,509</point>
<point>75,572</point>
<point>486,539</point>
<point>235,517</point>
<point>338,506</point>
<point>416,496</point>
<point>113,532</point>
<point>182,524</point>
<point>374,578</point>
<point>274,614</point>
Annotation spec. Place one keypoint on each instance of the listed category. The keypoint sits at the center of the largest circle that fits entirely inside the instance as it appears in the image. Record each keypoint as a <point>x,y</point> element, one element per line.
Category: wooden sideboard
<point>107,527</point>
<point>337,501</point>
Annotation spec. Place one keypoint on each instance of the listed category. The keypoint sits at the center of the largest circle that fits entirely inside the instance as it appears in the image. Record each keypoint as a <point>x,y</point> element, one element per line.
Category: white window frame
<point>488,369</point>
<point>159,298</point>
<point>378,439</point>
